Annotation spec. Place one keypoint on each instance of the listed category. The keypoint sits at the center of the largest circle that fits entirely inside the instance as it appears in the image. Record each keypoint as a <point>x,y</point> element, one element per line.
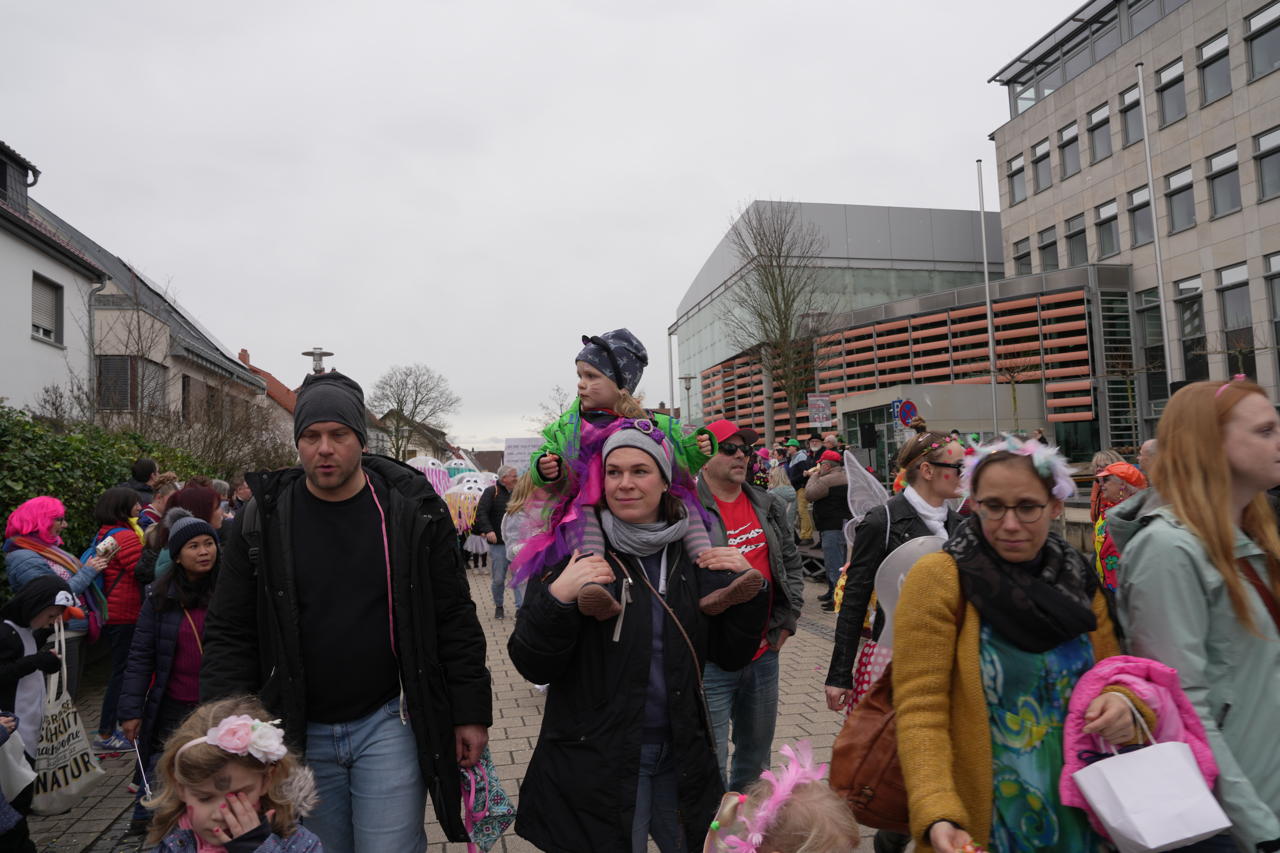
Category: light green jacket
<point>562,440</point>
<point>1174,607</point>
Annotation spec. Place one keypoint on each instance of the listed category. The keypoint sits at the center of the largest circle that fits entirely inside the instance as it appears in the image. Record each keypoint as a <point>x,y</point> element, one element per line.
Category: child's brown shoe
<point>596,601</point>
<point>743,588</point>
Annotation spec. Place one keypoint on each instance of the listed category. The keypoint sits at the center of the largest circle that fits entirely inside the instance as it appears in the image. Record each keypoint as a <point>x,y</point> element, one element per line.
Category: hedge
<point>75,466</point>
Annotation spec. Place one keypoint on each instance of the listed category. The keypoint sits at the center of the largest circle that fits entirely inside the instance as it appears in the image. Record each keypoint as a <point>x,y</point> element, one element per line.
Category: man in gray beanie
<point>343,604</point>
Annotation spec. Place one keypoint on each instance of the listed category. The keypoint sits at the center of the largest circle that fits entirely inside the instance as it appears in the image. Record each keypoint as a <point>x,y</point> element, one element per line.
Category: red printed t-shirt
<point>744,531</point>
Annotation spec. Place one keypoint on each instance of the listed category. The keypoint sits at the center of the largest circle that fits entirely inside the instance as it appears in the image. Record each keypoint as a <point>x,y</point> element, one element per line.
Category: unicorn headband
<point>799,771</point>
<point>241,734</point>
<point>1045,458</point>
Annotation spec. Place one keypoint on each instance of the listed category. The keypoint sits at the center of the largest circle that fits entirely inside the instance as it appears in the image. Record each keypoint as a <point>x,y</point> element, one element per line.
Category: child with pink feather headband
<point>787,811</point>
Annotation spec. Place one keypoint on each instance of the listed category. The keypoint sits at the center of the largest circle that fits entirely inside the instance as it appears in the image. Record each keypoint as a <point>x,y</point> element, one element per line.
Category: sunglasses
<point>954,466</point>
<point>728,448</point>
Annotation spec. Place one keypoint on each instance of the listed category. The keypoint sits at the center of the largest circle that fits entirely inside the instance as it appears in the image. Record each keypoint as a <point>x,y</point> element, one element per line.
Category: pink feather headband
<point>1045,458</point>
<point>799,771</point>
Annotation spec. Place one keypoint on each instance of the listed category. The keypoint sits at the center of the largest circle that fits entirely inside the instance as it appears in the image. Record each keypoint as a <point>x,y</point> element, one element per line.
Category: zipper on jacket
<point>626,599</point>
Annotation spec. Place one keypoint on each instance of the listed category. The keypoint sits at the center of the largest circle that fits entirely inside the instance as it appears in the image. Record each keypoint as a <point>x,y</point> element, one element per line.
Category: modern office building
<point>1200,229</point>
<point>873,255</point>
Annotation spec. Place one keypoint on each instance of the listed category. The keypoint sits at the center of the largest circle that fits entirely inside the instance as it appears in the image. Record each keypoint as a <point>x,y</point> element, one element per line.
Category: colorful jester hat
<point>1048,462</point>
<point>565,512</point>
<point>798,771</point>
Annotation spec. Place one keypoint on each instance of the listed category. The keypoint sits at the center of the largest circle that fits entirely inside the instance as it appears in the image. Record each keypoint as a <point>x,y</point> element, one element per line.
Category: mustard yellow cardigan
<point>944,737</point>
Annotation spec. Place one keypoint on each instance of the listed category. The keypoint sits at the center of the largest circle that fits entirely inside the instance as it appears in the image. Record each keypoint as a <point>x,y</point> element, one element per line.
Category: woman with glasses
<point>991,634</point>
<point>1199,583</point>
<point>931,463</point>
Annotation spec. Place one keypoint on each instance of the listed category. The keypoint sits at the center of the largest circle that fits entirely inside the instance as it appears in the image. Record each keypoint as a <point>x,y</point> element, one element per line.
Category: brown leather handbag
<point>864,760</point>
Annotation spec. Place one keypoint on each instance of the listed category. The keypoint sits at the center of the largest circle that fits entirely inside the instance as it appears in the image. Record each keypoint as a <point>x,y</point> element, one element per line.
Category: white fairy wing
<point>865,491</point>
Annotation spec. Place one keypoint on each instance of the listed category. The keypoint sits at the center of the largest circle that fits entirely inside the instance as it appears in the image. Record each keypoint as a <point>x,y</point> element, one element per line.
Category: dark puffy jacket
<point>490,510</point>
<point>579,792</point>
<point>155,643</point>
<point>252,634</point>
<point>876,536</point>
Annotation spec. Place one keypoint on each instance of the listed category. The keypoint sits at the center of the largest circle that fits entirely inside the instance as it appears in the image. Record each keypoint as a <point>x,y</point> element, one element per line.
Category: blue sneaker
<point>115,742</point>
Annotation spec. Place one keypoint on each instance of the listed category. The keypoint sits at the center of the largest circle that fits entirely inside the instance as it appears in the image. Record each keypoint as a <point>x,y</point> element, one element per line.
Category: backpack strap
<point>1264,592</point>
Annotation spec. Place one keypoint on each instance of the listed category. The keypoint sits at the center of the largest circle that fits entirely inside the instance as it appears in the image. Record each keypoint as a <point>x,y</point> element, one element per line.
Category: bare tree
<point>419,395</point>
<point>1016,369</point>
<point>550,409</point>
<point>776,309</point>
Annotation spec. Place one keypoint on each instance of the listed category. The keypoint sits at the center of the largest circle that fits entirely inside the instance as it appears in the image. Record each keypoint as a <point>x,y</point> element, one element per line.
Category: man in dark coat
<point>488,524</point>
<point>343,604</point>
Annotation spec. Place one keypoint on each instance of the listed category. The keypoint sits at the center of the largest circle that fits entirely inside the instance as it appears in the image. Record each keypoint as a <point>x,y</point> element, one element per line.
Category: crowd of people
<point>298,660</point>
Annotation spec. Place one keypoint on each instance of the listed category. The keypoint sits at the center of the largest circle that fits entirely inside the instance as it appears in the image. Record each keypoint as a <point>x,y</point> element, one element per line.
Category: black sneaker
<point>136,827</point>
<point>826,596</point>
<point>498,613</point>
<point>829,606</point>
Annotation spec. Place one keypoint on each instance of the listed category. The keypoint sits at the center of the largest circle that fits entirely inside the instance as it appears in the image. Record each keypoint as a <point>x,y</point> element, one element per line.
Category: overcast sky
<point>474,185</point>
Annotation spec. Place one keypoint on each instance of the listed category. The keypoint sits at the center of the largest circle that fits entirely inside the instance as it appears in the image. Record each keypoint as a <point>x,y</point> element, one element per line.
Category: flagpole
<point>991,317</point>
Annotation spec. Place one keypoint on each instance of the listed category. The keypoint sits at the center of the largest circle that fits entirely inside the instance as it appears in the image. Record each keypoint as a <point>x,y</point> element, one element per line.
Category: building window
<point>1224,183</point>
<point>1077,243</point>
<point>1237,321</point>
<point>46,310</point>
<point>1100,133</point>
<point>1271,263</point>
<point>1047,240</point>
<point>1195,355</point>
<point>1017,179</point>
<point>1215,70</point>
<point>1180,197</point>
<point>1151,341</point>
<point>1130,117</point>
<point>1041,171</point>
<point>1105,217</point>
<point>1267,146</point>
<point>1143,15</point>
<point>1022,256</point>
<point>1141,228</point>
<point>129,383</point>
<point>1171,91</point>
<point>1069,150</point>
<point>1264,41</point>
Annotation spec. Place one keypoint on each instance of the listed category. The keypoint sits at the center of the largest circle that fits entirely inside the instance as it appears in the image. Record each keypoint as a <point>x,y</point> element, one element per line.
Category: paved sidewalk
<point>95,825</point>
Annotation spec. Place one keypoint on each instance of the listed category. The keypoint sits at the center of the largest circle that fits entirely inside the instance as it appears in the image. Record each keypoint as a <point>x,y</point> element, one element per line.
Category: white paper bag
<point>15,771</point>
<point>1153,798</point>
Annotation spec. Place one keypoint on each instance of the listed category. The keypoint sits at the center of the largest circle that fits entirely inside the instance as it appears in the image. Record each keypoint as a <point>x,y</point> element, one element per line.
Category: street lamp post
<point>688,400</point>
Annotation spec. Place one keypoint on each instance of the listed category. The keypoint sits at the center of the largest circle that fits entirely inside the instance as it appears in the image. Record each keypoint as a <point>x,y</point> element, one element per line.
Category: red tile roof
<point>276,389</point>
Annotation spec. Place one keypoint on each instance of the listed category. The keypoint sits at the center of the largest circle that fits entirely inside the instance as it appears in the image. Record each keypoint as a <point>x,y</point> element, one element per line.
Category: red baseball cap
<point>1126,472</point>
<point>830,456</point>
<point>724,430</point>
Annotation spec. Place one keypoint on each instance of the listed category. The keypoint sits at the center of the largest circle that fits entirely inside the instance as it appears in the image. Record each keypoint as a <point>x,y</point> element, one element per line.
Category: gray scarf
<point>641,540</point>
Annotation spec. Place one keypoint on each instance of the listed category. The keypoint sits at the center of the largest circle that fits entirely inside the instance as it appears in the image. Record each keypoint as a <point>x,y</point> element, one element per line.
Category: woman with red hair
<point>1198,587</point>
<point>33,536</point>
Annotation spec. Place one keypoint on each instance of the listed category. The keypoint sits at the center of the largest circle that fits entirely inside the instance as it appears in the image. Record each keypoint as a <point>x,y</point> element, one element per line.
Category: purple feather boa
<point>566,514</point>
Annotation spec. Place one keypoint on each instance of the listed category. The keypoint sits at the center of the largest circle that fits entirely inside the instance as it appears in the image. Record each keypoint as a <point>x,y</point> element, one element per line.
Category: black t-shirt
<point>341,571</point>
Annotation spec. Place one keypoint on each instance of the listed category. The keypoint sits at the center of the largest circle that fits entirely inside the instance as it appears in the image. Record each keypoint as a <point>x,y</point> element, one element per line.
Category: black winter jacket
<point>490,510</point>
<point>875,537</point>
<point>579,792</point>
<point>252,634</point>
<point>155,643</point>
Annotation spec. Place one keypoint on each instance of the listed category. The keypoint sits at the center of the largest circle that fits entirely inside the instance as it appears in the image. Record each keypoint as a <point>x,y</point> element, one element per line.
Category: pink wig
<point>35,518</point>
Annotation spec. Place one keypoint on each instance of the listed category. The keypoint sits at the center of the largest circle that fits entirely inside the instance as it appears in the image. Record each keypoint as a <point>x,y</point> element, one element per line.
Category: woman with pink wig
<point>33,536</point>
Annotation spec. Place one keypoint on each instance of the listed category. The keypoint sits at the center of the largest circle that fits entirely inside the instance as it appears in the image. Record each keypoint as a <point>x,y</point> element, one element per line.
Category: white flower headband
<point>241,734</point>
<point>1048,462</point>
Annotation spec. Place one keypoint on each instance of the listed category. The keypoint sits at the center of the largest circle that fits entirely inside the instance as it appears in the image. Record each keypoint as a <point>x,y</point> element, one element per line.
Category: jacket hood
<point>37,594</point>
<point>1124,520</point>
<point>268,485</point>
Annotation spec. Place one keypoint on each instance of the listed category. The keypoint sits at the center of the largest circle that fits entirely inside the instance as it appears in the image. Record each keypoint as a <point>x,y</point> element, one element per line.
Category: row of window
<point>1214,69</point>
<point>1222,176</point>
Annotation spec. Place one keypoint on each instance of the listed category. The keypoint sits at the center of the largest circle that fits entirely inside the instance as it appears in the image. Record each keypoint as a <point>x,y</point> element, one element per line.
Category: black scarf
<point>1035,608</point>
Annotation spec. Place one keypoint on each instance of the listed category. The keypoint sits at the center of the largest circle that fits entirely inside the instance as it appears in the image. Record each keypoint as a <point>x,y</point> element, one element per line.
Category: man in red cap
<point>1117,482</point>
<point>755,522</point>
<point>828,493</point>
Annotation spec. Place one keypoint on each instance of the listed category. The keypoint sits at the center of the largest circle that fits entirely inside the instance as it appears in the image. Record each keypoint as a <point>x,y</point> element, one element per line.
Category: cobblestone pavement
<point>96,824</point>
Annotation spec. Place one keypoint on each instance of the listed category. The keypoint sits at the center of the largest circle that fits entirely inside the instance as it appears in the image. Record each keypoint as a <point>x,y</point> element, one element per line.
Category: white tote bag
<point>1153,798</point>
<point>66,768</point>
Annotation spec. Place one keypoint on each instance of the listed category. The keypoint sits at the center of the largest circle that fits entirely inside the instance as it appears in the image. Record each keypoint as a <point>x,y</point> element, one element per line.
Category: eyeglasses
<point>1025,512</point>
<point>728,448</point>
<point>954,466</point>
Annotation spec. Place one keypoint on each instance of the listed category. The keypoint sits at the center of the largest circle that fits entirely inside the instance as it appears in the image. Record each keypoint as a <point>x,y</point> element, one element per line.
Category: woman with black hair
<point>162,679</point>
<point>117,515</point>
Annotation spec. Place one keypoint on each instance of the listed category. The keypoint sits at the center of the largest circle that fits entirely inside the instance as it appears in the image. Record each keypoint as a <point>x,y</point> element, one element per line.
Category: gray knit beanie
<point>330,397</point>
<point>653,443</point>
<point>183,527</point>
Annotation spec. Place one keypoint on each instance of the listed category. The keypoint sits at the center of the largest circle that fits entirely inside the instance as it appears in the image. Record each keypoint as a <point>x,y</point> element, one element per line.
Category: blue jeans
<point>657,803</point>
<point>498,564</point>
<point>120,637</point>
<point>833,551</point>
<point>371,789</point>
<point>748,697</point>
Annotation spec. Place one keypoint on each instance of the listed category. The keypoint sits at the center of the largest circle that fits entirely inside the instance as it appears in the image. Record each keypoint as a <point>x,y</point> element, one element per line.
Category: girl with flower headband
<point>228,783</point>
<point>991,635</point>
<point>789,811</point>
<point>609,369</point>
